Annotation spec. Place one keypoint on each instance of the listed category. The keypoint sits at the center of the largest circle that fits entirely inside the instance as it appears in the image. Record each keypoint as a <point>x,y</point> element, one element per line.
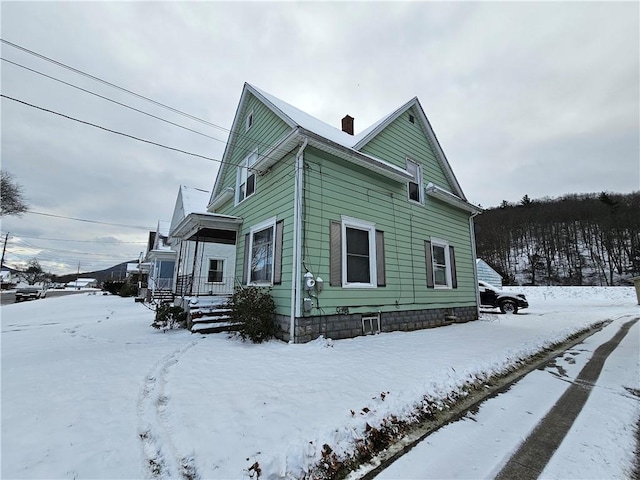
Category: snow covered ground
<point>90,390</point>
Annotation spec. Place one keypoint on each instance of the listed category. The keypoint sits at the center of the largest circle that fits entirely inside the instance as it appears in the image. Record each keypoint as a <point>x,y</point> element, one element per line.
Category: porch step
<point>162,296</point>
<point>210,315</point>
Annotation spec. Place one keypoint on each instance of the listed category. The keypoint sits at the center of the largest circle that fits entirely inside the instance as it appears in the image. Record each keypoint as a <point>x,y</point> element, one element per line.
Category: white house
<point>205,262</point>
<point>83,283</point>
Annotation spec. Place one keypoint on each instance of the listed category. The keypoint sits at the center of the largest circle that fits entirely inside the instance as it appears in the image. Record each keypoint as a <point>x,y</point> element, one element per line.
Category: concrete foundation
<point>341,326</point>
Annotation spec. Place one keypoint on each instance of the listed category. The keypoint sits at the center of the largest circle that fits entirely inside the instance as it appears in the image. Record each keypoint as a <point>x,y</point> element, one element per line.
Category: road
<point>9,297</point>
<point>560,421</point>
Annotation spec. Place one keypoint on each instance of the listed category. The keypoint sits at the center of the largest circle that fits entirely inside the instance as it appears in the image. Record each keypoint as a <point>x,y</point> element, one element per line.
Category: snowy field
<point>90,390</point>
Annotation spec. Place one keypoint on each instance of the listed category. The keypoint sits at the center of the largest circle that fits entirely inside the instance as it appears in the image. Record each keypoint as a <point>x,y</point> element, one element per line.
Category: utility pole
<point>4,248</point>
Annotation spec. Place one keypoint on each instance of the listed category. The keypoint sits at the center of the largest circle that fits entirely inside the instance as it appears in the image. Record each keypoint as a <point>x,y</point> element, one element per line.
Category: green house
<point>354,234</point>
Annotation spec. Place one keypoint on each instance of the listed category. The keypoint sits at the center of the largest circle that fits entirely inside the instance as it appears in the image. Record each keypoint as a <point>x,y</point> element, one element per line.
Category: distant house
<point>161,260</point>
<point>83,283</point>
<point>488,274</point>
<point>353,234</point>
<point>205,255</point>
<point>6,280</point>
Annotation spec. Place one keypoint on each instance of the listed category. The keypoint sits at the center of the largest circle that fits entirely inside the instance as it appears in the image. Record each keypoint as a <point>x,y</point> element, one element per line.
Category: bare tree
<point>34,273</point>
<point>11,199</point>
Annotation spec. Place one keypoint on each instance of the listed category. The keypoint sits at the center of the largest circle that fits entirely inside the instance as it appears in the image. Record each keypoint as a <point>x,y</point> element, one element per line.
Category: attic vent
<point>412,119</point>
<point>347,124</point>
<point>249,121</point>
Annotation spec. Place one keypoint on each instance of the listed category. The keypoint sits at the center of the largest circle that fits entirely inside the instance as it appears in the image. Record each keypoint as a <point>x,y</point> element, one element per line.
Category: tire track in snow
<point>160,456</point>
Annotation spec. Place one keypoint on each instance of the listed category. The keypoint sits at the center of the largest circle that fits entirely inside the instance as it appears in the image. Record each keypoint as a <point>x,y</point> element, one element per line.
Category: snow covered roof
<point>163,227</point>
<point>305,124</point>
<point>296,117</point>
<point>194,200</point>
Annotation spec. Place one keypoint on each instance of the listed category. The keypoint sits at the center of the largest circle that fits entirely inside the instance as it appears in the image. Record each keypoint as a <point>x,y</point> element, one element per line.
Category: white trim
<point>296,291</point>
<point>270,223</point>
<point>354,223</point>
<point>417,180</point>
<point>224,270</point>
<point>450,198</point>
<point>447,263</point>
<point>245,164</point>
<point>226,195</point>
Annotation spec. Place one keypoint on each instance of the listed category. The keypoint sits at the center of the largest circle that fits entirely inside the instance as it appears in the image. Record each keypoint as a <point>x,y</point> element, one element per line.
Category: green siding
<point>274,190</point>
<point>402,139</point>
<point>334,188</point>
<point>267,129</point>
<point>273,198</point>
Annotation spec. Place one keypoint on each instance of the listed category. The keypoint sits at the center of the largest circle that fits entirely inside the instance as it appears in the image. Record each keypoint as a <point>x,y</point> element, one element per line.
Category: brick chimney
<point>347,124</point>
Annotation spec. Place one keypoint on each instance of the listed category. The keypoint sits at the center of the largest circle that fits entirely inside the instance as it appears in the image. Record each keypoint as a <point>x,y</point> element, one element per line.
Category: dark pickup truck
<point>507,302</point>
<point>30,293</point>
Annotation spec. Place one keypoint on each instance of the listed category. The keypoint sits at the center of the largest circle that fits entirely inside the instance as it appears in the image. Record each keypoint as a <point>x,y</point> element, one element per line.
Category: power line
<point>155,102</point>
<point>111,100</point>
<point>88,221</point>
<point>112,131</point>
<point>47,251</point>
<point>113,85</point>
<point>102,242</point>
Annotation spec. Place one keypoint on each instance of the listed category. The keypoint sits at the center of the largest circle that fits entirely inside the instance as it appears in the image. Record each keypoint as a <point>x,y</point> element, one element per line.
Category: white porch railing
<point>192,285</point>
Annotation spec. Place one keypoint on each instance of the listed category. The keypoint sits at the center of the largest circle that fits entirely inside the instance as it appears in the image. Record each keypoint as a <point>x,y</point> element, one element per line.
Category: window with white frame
<point>441,264</point>
<point>216,270</point>
<point>358,253</point>
<point>414,187</point>
<point>246,178</point>
<point>261,250</point>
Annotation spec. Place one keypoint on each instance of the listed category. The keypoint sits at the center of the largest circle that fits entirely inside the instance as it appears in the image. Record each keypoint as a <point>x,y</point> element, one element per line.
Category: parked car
<point>507,302</point>
<point>30,293</point>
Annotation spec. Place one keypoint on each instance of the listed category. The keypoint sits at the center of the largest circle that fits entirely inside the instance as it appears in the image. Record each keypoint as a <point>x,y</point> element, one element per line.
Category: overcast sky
<point>526,98</point>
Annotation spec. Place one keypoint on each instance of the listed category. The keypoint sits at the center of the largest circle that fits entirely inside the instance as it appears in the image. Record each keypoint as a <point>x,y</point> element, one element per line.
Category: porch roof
<point>161,255</point>
<point>208,227</point>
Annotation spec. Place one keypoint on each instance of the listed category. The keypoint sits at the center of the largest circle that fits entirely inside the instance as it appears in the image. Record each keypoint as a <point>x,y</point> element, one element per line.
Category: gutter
<point>297,237</point>
<point>450,198</point>
<point>472,232</point>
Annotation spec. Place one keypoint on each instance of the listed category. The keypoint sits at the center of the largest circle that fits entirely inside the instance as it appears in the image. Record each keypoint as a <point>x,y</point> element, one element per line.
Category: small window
<point>412,119</point>
<point>216,270</point>
<point>246,179</point>
<point>414,187</point>
<point>249,121</point>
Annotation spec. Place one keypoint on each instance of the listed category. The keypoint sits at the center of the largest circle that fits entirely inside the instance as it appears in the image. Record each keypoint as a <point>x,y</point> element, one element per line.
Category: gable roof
<point>302,123</point>
<point>189,200</point>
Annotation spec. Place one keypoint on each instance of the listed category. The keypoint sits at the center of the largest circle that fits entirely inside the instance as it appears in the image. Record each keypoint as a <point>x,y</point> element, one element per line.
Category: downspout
<point>472,232</point>
<point>297,235</point>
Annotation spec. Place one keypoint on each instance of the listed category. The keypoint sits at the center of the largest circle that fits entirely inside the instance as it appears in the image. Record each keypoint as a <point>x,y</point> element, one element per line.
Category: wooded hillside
<point>585,239</point>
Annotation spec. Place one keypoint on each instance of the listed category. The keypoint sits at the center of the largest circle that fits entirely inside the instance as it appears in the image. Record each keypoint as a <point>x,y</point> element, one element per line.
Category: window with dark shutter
<point>452,263</point>
<point>358,257</point>
<point>335,254</point>
<point>441,264</point>
<point>277,256</point>
<point>380,266</point>
<point>429,262</point>
<point>245,267</point>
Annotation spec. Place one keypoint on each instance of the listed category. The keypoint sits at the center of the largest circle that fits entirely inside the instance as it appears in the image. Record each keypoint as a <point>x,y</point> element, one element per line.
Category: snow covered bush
<point>128,290</point>
<point>169,317</point>
<point>254,310</point>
